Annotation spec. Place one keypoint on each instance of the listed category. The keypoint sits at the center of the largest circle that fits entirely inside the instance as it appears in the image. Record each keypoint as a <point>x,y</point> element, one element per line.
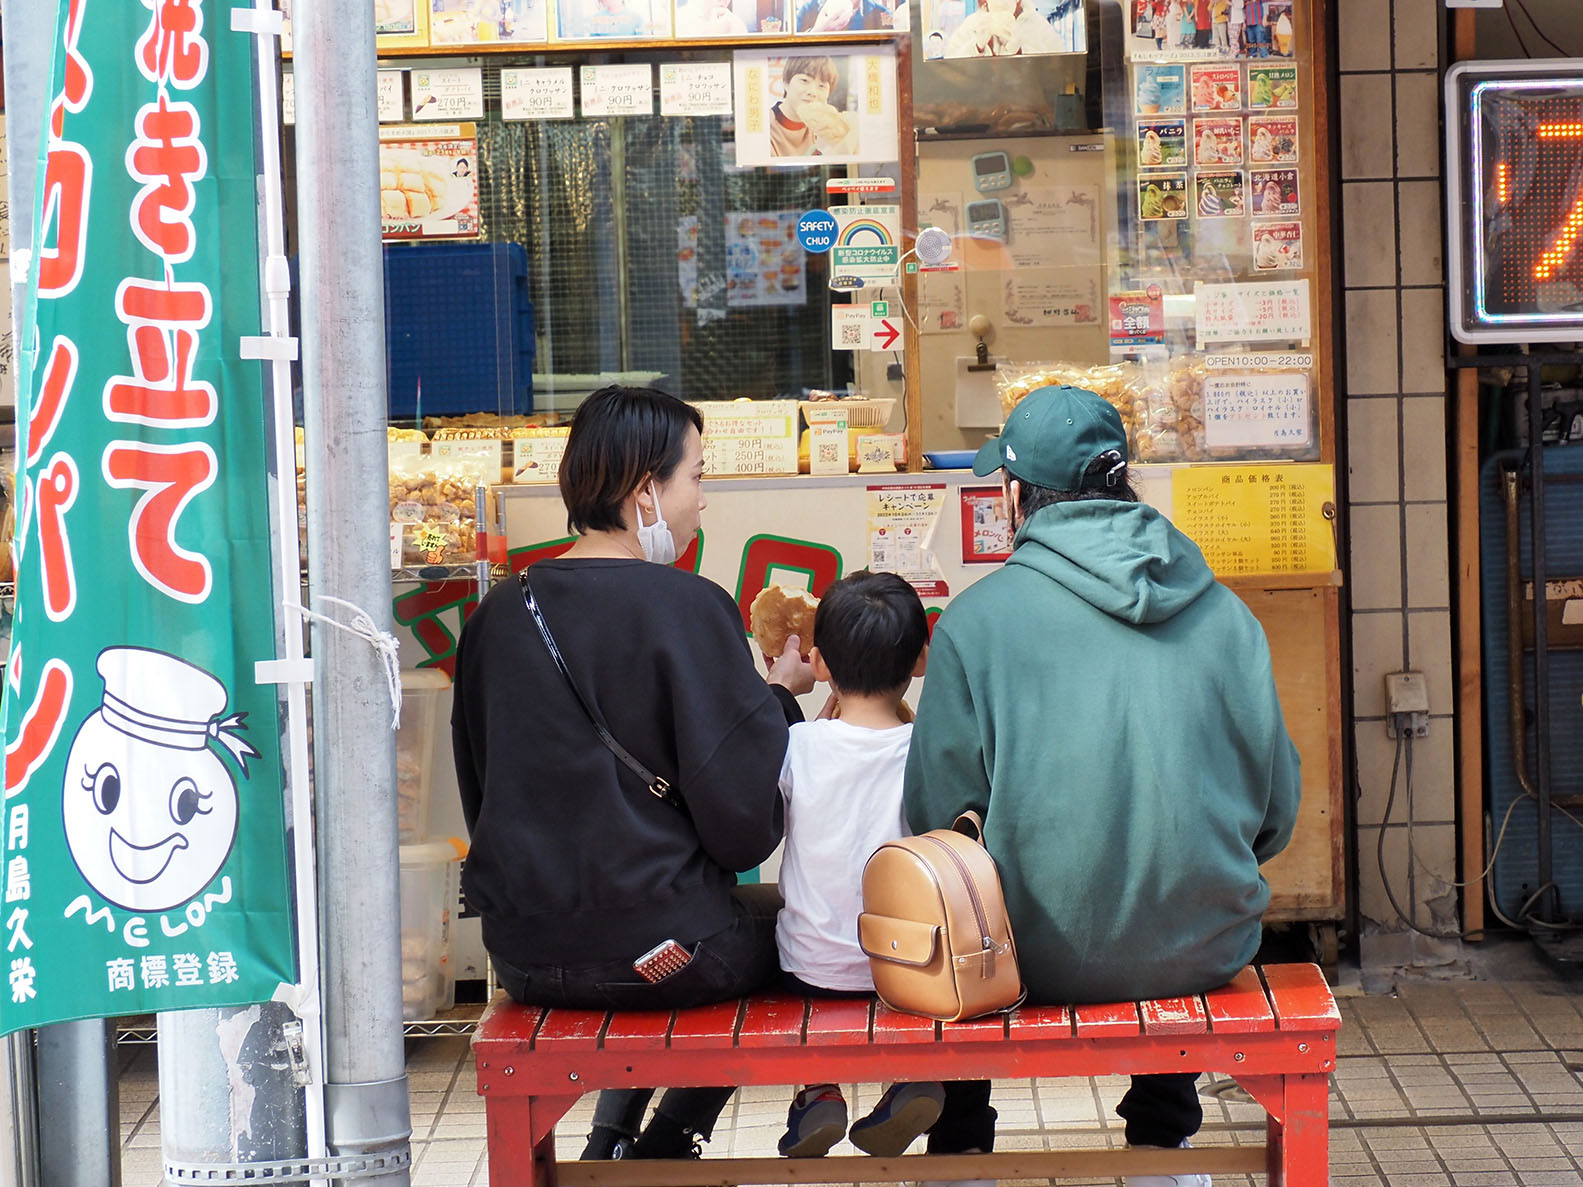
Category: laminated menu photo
<point>1160,88</point>
<point>730,18</point>
<point>1275,192</point>
<point>1162,196</point>
<point>1272,139</point>
<point>1217,141</point>
<point>1162,143</point>
<point>1277,246</point>
<point>1220,195</point>
<point>1272,87</point>
<point>1217,87</point>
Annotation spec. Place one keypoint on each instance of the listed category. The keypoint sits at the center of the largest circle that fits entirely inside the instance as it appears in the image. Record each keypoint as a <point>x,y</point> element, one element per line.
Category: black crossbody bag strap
<point>657,786</point>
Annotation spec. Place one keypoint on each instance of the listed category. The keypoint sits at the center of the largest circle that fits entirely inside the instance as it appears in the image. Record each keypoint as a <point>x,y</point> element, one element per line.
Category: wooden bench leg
<point>515,1159</point>
<point>1299,1138</point>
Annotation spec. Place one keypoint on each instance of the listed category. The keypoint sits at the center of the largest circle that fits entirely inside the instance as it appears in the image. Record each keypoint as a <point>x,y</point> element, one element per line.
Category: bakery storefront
<point>855,248</point>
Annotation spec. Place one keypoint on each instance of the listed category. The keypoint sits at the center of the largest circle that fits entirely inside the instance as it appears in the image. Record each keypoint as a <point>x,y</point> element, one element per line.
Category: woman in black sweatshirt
<point>577,865</point>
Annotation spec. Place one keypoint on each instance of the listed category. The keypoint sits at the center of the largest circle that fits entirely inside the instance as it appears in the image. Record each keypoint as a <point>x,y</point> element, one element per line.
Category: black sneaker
<point>605,1144</point>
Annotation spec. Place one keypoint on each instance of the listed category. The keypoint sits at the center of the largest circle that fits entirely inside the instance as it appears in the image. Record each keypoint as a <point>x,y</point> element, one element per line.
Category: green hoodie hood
<point>1123,558</point>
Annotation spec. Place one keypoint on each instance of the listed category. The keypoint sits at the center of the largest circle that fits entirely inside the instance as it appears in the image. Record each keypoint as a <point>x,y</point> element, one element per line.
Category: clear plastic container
<point>430,888</point>
<point>420,705</point>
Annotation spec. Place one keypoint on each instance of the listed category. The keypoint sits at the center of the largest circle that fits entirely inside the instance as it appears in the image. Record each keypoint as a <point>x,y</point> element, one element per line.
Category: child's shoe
<point>815,1122</point>
<point>903,1113</point>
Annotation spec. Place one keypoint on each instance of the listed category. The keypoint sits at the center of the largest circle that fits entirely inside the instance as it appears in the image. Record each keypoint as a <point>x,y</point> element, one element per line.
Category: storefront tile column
<point>1399,547</point>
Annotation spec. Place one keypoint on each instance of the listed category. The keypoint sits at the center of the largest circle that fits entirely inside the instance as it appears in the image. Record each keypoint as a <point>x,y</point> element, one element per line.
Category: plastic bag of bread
<point>1118,383</point>
<point>780,612</point>
<point>435,502</point>
<point>1171,428</point>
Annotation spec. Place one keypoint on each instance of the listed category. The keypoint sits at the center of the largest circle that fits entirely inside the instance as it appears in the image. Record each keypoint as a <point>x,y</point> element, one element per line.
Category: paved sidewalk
<point>1461,1083</point>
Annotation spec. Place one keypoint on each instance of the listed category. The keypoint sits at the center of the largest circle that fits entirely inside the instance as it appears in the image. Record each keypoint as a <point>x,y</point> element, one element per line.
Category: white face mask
<point>655,538</point>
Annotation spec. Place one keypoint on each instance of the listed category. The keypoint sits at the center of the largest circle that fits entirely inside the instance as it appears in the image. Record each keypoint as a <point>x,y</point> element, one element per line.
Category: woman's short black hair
<point>870,629</point>
<point>620,436</point>
<point>1031,498</point>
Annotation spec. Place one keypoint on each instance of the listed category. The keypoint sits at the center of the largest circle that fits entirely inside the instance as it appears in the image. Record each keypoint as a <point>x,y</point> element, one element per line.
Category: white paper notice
<point>942,307</point>
<point>536,94</point>
<point>1273,311</point>
<point>1052,297</point>
<point>392,96</point>
<point>448,94</point>
<point>941,210</point>
<point>288,98</point>
<point>1054,224</point>
<point>626,89</point>
<point>695,88</point>
<point>1256,410</point>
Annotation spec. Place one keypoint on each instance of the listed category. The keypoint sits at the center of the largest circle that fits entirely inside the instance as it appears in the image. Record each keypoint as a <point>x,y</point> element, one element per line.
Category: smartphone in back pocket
<point>663,960</point>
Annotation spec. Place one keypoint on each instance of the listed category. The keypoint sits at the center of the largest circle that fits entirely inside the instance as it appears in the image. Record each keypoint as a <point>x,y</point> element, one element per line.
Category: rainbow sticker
<point>866,244</point>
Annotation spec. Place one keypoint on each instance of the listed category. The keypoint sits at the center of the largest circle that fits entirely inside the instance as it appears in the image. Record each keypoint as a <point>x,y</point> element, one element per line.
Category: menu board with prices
<point>1255,520</point>
<point>1264,312</point>
<point>744,437</point>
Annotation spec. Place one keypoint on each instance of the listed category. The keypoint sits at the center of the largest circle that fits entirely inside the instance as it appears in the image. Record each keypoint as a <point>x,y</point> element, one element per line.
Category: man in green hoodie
<point>1109,709</point>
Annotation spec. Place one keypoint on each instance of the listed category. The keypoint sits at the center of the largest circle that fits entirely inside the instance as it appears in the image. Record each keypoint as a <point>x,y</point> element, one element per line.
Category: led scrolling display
<point>1522,214</point>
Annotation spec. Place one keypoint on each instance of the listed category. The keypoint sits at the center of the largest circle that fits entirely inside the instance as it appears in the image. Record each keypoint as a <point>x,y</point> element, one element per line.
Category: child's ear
<point>821,670</point>
<point>923,662</point>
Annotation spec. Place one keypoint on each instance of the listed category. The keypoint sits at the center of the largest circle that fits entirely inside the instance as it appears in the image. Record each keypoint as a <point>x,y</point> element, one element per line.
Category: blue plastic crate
<point>459,321</point>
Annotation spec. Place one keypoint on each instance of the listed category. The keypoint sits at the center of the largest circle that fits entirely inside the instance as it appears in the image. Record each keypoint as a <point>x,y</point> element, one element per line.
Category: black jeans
<point>734,961</point>
<point>1159,1110</point>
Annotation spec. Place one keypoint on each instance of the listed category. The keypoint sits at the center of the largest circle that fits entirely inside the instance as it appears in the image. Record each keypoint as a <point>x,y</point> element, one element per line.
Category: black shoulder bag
<point>657,786</point>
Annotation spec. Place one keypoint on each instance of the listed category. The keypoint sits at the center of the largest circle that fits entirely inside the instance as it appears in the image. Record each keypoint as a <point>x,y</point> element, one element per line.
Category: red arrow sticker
<point>886,335</point>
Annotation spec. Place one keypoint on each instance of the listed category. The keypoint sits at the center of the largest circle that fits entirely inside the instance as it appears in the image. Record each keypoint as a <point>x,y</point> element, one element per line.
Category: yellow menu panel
<point>1257,519</point>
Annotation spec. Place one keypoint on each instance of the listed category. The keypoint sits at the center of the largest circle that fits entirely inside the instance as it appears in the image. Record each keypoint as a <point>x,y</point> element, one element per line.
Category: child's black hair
<point>870,629</point>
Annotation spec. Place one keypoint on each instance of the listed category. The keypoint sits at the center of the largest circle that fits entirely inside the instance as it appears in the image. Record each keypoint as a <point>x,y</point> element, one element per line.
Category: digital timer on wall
<point>1514,201</point>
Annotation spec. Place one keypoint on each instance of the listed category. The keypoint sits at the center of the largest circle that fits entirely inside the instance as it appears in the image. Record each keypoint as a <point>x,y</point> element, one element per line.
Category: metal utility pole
<point>344,402</point>
<point>75,1075</point>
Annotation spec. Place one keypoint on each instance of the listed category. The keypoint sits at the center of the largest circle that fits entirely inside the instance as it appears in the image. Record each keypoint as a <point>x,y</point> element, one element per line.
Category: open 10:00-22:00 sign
<point>1515,203</point>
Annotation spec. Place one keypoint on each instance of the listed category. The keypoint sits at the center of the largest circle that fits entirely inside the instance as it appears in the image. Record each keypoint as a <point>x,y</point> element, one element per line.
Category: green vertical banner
<point>143,818</point>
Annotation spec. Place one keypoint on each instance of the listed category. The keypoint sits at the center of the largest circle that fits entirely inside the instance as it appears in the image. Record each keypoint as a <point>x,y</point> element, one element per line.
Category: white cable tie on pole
<point>362,625</point>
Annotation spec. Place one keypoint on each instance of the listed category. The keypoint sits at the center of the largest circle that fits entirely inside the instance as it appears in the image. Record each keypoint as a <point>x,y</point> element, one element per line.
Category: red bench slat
<point>1240,1007</point>
<point>506,1021</point>
<point>706,1026</point>
<point>1102,1021</point>
<point>891,1026</point>
<point>836,1022</point>
<point>638,1030</point>
<point>978,1030</point>
<point>1040,1022</point>
<point>772,1022</point>
<point>1300,997</point>
<point>1173,1016</point>
<point>562,1029</point>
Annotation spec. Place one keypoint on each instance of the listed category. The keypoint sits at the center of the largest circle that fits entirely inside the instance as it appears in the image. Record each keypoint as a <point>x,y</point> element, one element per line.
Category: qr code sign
<point>851,335</point>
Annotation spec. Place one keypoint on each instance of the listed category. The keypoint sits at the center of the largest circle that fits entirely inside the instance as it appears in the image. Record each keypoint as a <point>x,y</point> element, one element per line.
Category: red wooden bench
<point>1272,1029</point>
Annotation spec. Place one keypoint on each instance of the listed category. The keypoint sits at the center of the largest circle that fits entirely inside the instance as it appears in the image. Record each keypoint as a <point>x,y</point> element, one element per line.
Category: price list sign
<point>749,437</point>
<point>1257,519</point>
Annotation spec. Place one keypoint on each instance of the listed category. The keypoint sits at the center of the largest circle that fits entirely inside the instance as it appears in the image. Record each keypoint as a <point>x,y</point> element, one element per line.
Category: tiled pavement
<point>1461,1083</point>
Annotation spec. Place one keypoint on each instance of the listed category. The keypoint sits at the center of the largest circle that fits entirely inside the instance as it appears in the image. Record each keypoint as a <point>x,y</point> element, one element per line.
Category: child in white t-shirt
<point>842,783</point>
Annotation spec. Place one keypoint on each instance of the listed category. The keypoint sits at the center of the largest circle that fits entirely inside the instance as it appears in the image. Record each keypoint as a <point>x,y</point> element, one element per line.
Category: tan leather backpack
<point>934,925</point>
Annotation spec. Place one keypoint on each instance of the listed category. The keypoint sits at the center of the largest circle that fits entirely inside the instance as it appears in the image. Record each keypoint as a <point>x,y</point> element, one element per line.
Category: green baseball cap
<point>1052,436</point>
